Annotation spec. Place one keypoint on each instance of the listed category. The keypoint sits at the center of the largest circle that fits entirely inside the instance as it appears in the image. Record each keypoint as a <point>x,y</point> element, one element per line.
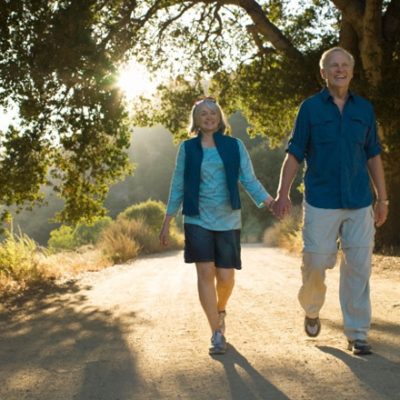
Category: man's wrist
<point>383,201</point>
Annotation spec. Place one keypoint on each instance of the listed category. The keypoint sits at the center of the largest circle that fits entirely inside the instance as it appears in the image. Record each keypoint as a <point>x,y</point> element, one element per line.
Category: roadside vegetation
<point>106,242</point>
<point>70,251</point>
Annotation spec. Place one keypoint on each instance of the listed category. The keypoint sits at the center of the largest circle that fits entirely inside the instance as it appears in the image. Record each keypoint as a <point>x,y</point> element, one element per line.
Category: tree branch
<point>264,26</point>
<point>252,29</point>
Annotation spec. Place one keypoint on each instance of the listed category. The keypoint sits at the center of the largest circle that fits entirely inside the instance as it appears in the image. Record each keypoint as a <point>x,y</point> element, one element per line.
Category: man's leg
<point>357,239</point>
<point>312,292</point>
<point>355,271</point>
<point>320,233</point>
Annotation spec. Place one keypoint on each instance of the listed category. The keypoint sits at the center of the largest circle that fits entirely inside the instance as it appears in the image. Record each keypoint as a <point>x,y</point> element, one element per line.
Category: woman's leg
<point>225,284</point>
<point>206,274</point>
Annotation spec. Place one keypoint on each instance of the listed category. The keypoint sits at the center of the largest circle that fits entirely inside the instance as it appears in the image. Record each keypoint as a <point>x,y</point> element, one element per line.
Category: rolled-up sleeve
<point>373,146</point>
<point>176,190</point>
<point>248,179</point>
<point>299,139</point>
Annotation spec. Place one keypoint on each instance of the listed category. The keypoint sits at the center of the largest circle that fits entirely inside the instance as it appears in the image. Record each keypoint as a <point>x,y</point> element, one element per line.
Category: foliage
<point>151,212</point>
<point>90,233</point>
<point>62,238</point>
<point>71,121</point>
<point>69,238</point>
<point>19,259</point>
<point>59,61</point>
<point>268,68</point>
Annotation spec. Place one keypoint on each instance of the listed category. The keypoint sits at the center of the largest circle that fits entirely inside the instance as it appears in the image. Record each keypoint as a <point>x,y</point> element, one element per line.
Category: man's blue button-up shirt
<point>336,147</point>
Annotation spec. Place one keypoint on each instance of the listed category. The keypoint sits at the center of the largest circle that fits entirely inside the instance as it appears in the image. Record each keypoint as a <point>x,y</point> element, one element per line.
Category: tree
<point>72,127</point>
<point>278,68</point>
<point>59,60</point>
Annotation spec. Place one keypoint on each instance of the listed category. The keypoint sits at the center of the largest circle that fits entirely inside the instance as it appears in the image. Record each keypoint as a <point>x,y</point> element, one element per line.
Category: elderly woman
<point>208,169</point>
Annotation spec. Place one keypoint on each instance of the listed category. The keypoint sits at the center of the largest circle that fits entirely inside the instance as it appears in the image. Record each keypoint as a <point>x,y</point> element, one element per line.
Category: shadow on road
<point>58,346</point>
<point>366,368</point>
<point>243,389</point>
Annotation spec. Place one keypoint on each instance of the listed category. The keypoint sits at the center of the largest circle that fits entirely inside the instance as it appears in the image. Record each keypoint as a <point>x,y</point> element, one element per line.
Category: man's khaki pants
<point>323,231</point>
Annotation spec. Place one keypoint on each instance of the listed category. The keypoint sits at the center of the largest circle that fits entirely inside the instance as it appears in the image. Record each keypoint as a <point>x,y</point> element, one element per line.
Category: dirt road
<point>136,332</point>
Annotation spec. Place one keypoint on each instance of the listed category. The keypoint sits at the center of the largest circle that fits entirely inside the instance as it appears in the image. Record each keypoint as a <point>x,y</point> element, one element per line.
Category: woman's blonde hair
<point>212,104</point>
<point>326,54</point>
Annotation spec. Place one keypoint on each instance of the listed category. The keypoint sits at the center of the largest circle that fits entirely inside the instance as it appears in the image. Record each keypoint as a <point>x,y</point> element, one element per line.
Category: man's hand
<point>381,211</point>
<point>282,207</point>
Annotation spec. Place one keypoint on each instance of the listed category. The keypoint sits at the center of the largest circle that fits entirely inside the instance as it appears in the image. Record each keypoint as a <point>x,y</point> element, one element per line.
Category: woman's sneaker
<point>221,320</point>
<point>218,344</point>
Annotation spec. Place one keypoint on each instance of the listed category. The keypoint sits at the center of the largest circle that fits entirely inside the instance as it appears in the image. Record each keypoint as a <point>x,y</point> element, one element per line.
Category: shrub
<point>68,238</point>
<point>151,212</point>
<point>62,238</point>
<point>90,233</point>
<point>19,261</point>
<point>118,240</point>
<point>125,239</point>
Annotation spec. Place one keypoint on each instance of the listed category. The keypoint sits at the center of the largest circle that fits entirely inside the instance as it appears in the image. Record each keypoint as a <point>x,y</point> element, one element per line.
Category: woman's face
<point>207,119</point>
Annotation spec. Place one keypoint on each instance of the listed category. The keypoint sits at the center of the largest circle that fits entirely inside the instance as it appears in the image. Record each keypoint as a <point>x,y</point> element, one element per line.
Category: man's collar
<point>326,95</point>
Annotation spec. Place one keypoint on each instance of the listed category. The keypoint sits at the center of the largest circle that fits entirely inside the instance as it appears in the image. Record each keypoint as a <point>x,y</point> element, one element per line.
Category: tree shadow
<point>385,382</point>
<point>56,345</point>
<point>239,388</point>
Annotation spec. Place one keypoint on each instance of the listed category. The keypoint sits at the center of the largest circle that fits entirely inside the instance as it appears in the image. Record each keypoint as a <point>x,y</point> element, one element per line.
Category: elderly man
<point>335,132</point>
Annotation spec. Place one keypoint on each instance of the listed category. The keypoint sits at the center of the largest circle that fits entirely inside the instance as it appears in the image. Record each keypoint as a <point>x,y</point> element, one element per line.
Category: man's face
<point>338,70</point>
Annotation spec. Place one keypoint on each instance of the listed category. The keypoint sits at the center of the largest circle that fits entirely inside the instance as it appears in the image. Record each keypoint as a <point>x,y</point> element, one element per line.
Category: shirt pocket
<point>323,131</point>
<point>358,130</point>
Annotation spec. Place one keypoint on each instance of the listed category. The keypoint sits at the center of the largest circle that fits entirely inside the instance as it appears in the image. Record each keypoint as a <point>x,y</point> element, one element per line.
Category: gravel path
<point>137,332</point>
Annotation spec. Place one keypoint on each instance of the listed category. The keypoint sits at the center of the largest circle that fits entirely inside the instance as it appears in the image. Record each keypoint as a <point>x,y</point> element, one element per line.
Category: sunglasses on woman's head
<point>208,98</point>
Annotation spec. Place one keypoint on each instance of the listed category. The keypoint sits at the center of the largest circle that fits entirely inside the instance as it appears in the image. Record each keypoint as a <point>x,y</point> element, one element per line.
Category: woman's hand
<point>164,233</point>
<point>282,206</point>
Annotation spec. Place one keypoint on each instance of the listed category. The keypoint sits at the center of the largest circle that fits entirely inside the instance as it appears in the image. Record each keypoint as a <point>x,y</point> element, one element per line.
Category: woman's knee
<point>225,277</point>
<point>205,272</point>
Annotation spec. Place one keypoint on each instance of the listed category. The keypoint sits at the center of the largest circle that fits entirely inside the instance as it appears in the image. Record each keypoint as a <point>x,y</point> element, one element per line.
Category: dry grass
<point>125,239</point>
<point>286,233</point>
<point>118,243</point>
<point>24,265</point>
<point>69,263</point>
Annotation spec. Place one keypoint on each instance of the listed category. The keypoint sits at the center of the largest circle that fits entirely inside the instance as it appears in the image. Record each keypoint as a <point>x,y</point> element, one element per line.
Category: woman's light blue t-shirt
<point>214,202</point>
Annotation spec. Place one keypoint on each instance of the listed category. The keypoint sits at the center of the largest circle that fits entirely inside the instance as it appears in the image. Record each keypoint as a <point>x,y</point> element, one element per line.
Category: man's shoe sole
<point>316,322</point>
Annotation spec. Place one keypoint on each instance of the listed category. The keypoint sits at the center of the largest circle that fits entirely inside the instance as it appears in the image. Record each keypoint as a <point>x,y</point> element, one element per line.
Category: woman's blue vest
<point>228,150</point>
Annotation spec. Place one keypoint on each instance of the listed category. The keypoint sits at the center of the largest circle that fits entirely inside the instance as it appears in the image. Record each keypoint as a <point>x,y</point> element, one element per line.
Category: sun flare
<point>135,80</point>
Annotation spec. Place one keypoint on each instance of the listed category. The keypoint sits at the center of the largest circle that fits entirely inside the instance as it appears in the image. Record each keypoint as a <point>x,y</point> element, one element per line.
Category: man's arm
<point>283,205</point>
<point>377,174</point>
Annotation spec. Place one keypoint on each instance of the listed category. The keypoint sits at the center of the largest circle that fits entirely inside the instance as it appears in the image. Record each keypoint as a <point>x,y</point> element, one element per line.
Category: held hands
<point>281,207</point>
